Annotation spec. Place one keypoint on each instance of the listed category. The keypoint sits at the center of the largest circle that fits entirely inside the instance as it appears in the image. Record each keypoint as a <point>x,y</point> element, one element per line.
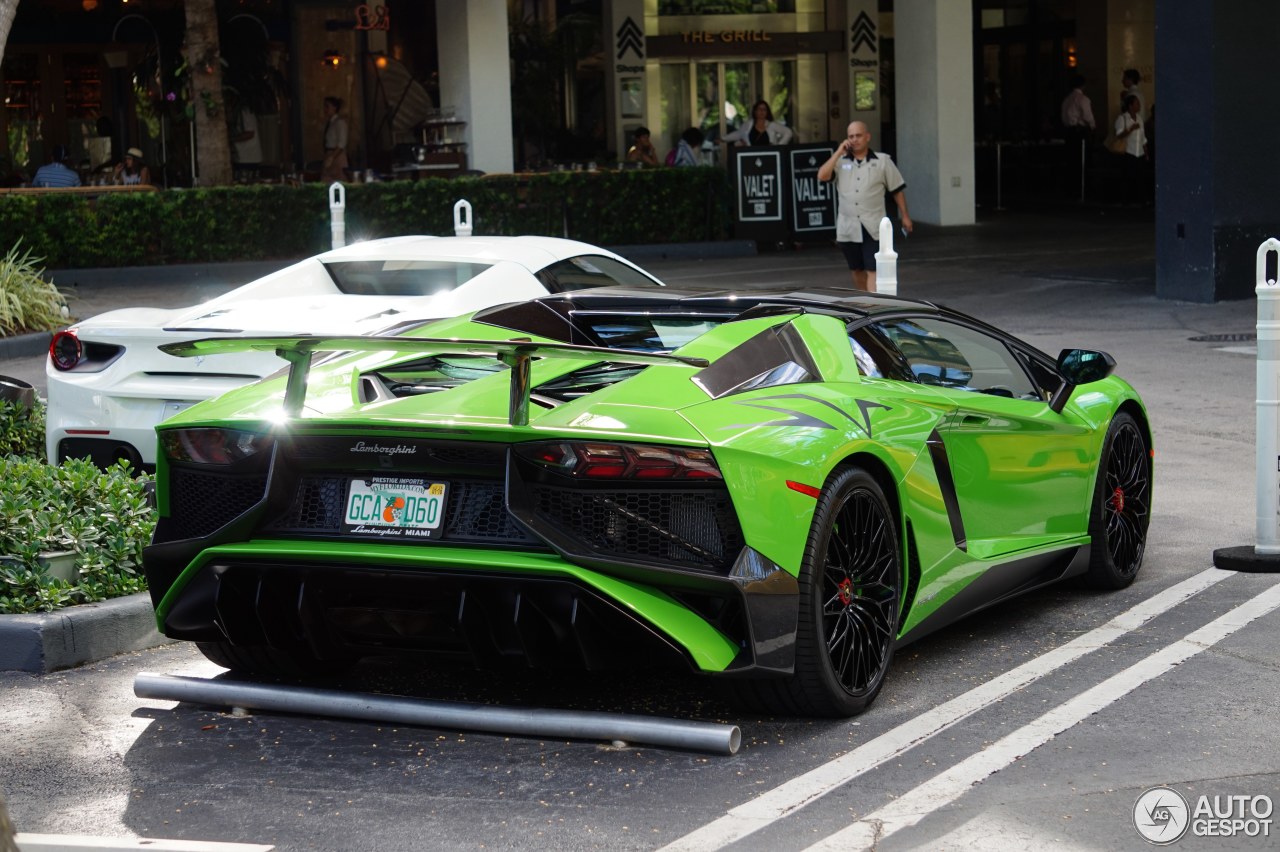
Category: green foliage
<point>274,221</point>
<point>104,517</point>
<point>27,301</point>
<point>21,430</point>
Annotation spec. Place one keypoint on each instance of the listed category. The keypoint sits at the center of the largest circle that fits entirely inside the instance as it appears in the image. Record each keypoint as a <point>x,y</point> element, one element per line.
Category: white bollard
<point>1268,459</point>
<point>462,218</point>
<point>886,261</point>
<point>338,214</point>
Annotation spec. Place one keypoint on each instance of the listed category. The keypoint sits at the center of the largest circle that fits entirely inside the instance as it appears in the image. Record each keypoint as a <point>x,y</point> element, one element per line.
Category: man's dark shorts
<point>861,255</point>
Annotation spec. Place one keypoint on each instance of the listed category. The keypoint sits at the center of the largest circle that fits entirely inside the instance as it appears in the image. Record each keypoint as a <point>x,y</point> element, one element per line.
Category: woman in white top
<point>1129,127</point>
<point>1134,180</point>
<point>761,130</point>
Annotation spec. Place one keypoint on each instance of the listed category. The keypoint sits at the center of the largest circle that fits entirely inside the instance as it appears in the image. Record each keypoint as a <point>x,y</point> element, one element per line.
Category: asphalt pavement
<point>1038,724</point>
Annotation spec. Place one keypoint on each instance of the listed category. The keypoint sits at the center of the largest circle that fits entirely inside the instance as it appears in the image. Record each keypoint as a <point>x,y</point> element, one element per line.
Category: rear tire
<point>850,591</point>
<point>270,662</point>
<point>1121,508</point>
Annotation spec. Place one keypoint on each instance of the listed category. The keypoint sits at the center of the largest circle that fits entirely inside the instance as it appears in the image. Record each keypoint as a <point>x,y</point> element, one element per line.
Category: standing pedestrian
<point>1077,126</point>
<point>1129,130</point>
<point>1129,81</point>
<point>335,142</point>
<point>863,178</point>
<point>761,129</point>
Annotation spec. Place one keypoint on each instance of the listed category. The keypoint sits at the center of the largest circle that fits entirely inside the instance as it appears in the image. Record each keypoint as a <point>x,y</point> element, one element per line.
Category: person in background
<point>1077,126</point>
<point>1129,81</point>
<point>335,142</point>
<point>1129,129</point>
<point>642,151</point>
<point>686,151</point>
<point>863,178</point>
<point>246,145</point>
<point>761,130</point>
<point>131,171</point>
<point>55,173</point>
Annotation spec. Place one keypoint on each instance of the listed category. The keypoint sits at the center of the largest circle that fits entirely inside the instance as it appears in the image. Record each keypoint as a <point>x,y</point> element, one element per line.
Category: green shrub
<point>276,221</point>
<point>22,430</point>
<point>27,302</point>
<point>103,516</point>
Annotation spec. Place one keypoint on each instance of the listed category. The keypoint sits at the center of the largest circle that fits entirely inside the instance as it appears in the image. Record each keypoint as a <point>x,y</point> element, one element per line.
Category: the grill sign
<point>394,507</point>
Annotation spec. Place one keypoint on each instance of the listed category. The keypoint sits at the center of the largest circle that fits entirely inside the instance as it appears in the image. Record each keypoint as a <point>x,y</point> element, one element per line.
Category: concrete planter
<point>59,564</point>
<point>45,642</point>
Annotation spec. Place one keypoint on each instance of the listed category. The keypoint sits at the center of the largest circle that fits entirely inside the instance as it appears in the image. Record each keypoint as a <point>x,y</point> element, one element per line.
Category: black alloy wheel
<point>850,592</point>
<point>1122,506</point>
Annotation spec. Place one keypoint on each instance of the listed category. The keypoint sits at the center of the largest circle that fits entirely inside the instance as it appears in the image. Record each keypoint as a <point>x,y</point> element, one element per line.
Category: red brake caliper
<point>1117,499</point>
<point>845,590</point>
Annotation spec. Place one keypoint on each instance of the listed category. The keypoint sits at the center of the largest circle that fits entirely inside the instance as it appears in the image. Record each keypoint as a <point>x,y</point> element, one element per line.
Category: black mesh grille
<point>317,506</point>
<point>688,528</point>
<point>201,502</point>
<point>476,511</point>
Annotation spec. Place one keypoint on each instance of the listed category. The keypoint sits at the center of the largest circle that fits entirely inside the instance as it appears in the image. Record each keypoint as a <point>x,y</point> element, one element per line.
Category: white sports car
<point>109,384</point>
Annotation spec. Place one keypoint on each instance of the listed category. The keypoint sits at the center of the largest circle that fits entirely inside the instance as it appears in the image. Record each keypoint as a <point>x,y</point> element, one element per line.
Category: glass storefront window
<point>724,7</point>
<point>22,108</point>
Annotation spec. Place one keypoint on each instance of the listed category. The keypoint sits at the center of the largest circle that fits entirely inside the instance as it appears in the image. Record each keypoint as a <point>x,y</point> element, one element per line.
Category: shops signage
<point>813,204</point>
<point>760,187</point>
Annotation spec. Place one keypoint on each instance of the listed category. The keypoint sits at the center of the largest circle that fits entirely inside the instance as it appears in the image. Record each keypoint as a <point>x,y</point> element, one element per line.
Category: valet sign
<point>760,187</point>
<point>813,203</point>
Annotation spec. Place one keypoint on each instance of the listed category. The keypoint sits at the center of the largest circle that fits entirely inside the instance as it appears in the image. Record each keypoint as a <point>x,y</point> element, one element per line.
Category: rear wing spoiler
<point>517,354</point>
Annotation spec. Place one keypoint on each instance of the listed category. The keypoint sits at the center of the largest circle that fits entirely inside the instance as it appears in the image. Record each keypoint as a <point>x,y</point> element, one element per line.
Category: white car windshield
<point>402,277</point>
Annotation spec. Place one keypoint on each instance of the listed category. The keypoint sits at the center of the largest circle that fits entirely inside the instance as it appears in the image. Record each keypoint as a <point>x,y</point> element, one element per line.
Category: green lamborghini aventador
<point>775,488</point>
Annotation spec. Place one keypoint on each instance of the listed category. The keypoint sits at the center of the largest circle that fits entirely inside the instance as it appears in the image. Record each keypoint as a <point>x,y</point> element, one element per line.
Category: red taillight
<point>65,350</point>
<point>597,460</point>
<point>212,446</point>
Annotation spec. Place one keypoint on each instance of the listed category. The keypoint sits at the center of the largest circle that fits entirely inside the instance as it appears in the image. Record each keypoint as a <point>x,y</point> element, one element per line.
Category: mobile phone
<point>904,231</point>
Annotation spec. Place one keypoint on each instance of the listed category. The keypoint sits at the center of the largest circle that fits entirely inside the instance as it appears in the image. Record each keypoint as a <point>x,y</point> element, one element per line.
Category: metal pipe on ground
<point>528,721</point>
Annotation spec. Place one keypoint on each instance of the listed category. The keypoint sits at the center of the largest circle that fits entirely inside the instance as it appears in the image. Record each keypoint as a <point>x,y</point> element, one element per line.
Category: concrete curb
<point>25,345</point>
<point>46,642</point>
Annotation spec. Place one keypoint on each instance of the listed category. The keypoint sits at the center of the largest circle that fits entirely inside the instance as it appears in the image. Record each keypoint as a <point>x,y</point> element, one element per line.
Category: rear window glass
<point>591,270</point>
<point>649,334</point>
<point>402,277</point>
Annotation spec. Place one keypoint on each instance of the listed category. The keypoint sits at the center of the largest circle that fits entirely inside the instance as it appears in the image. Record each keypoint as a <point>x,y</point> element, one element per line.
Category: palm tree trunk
<point>8,8</point>
<point>213,150</point>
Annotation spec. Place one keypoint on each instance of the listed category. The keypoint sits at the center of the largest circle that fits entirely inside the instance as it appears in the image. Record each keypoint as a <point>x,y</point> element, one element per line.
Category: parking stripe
<point>946,787</point>
<point>769,807</point>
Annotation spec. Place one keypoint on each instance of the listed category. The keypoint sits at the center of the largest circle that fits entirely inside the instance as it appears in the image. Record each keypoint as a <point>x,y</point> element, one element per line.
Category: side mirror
<point>1079,367</point>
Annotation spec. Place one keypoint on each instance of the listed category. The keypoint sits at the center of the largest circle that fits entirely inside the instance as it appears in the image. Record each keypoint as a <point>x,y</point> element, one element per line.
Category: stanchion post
<point>1264,556</point>
<point>1268,403</point>
<point>886,261</point>
<point>462,218</point>
<point>1083,149</point>
<point>999,176</point>
<point>338,214</point>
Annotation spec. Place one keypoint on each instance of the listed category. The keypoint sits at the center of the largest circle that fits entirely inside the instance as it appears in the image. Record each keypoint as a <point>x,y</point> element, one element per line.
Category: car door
<point>1022,473</point>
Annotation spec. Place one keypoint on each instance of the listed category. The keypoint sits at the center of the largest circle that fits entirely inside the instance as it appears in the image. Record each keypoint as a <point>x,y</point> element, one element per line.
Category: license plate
<point>394,507</point>
<point>172,407</point>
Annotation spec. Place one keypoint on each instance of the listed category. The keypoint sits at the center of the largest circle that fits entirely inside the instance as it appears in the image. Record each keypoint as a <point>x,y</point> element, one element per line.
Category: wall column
<point>933,59</point>
<point>475,78</point>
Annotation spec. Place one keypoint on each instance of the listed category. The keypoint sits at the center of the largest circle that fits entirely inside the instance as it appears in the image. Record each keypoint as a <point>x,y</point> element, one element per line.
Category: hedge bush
<point>104,517</point>
<point>274,221</point>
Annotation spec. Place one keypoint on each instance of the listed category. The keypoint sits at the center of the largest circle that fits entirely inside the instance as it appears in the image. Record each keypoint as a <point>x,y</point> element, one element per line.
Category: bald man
<point>863,178</point>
